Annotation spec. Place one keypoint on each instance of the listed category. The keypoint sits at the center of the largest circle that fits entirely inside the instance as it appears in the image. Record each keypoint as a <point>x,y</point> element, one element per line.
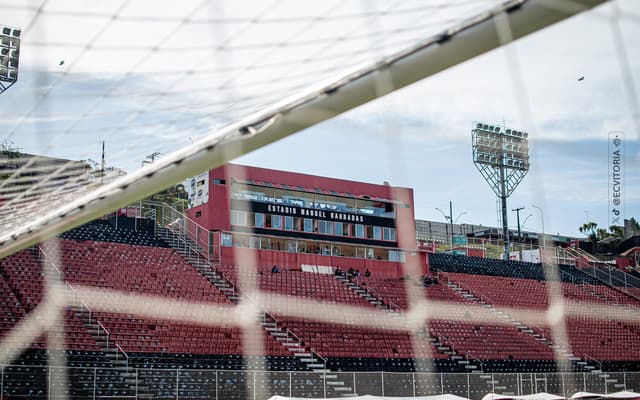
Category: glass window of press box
<point>308,225</point>
<point>237,239</point>
<point>319,201</point>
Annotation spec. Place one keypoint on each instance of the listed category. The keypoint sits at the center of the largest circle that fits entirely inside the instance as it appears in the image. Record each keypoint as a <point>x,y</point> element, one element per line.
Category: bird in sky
<point>581,79</point>
<point>61,62</point>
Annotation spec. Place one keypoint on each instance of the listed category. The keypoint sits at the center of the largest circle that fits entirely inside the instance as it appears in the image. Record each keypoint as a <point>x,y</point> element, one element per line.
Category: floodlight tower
<point>502,157</point>
<point>9,55</point>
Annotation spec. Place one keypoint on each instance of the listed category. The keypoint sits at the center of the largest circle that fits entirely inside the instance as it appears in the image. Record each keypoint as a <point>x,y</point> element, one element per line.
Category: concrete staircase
<point>465,363</point>
<point>310,359</point>
<point>128,378</point>
<point>583,364</point>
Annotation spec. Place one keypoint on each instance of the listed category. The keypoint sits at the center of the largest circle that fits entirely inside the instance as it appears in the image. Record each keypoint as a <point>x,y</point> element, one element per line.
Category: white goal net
<point>119,100</point>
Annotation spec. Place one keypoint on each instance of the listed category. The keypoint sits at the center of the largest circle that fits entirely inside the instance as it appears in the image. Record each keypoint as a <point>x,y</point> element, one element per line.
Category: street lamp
<point>451,221</point>
<point>525,221</point>
<point>543,237</point>
<point>461,214</point>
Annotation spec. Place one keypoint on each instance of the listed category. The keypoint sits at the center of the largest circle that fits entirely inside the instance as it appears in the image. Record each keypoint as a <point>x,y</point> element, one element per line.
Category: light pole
<point>450,219</point>
<point>524,223</point>
<point>447,218</point>
<point>9,56</point>
<point>543,237</point>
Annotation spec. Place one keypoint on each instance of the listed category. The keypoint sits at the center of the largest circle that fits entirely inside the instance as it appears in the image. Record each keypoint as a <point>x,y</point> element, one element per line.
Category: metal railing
<point>98,383</point>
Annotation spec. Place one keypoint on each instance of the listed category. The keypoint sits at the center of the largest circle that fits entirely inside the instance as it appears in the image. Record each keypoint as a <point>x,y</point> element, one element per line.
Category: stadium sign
<point>313,213</point>
<point>616,178</point>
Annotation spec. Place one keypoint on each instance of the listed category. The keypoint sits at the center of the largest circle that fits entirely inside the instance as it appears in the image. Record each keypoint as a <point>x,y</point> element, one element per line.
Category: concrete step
<point>303,354</point>
<point>464,362</point>
<point>341,389</point>
<point>335,383</point>
<point>470,367</point>
<point>308,360</point>
<point>619,385</point>
<point>312,366</point>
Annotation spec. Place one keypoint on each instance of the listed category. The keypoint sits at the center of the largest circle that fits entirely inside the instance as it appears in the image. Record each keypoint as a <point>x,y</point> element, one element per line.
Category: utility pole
<point>451,221</point>
<point>517,210</point>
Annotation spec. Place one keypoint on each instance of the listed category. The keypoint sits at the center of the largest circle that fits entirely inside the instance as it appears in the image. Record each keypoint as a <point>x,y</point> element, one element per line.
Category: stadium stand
<point>124,259</point>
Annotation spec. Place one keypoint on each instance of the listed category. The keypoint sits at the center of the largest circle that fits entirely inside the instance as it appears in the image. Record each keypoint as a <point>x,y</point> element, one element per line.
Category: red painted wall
<point>215,215</point>
<point>265,259</point>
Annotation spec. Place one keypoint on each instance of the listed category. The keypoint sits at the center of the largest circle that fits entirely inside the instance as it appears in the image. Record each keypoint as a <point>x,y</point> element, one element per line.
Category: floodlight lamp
<point>6,31</point>
<point>479,125</point>
<point>16,33</point>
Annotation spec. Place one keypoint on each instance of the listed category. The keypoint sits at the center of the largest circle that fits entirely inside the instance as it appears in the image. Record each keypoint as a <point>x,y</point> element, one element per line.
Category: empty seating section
<point>603,340</point>
<point>10,307</point>
<point>139,269</point>
<point>104,231</point>
<point>485,266</point>
<point>23,290</point>
<point>131,261</point>
<point>159,272</point>
<point>25,277</point>
<point>490,342</point>
<point>504,292</point>
<point>331,340</point>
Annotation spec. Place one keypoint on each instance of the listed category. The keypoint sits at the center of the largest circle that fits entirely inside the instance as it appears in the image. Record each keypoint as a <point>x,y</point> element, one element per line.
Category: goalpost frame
<point>320,102</point>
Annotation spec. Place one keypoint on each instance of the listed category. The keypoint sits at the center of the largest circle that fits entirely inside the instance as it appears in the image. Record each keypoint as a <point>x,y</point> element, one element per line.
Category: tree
<point>590,229</point>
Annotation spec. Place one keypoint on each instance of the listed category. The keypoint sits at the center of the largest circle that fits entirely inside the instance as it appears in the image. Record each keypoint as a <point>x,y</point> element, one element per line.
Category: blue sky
<point>139,100</point>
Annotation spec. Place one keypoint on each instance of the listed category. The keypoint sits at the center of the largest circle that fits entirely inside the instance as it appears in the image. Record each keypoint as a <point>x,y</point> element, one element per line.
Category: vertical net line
<point>55,293</point>
<point>417,315</point>
<point>556,310</point>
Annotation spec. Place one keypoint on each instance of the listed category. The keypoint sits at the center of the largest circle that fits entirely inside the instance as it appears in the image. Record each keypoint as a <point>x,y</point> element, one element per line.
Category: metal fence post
<point>216,378</point>
<point>354,383</point>
<point>584,380</point>
<point>324,381</point>
<point>137,374</point>
<point>493,383</point>
<point>441,383</point>
<point>413,375</point>
<point>468,387</point>
<point>290,383</point>
<point>382,382</point>
<point>177,382</point>
<point>95,379</point>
